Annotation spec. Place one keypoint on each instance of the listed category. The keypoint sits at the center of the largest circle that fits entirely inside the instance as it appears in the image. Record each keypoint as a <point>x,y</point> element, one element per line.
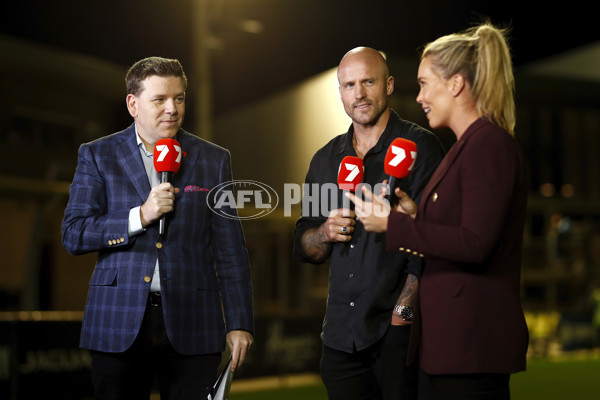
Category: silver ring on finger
<point>344,229</point>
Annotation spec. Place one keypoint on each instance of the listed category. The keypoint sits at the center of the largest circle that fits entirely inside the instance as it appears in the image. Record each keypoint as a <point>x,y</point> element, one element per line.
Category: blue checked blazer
<point>204,270</point>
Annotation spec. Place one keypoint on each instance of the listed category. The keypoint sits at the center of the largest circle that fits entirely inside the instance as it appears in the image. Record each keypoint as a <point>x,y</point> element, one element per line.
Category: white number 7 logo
<point>164,150</point>
<point>400,155</point>
<point>354,172</point>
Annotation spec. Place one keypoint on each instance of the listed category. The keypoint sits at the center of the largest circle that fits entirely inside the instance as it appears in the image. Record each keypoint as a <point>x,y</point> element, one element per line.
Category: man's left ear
<point>390,85</point>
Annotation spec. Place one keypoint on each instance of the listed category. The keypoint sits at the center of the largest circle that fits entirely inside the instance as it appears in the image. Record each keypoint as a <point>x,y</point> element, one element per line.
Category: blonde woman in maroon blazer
<point>469,223</point>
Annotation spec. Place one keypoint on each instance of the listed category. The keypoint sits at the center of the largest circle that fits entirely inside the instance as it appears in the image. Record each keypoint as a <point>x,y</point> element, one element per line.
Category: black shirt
<point>365,281</point>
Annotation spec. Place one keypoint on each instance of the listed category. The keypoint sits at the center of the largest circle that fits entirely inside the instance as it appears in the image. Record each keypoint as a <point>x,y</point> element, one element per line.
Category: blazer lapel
<point>441,170</point>
<point>187,162</point>
<point>128,156</point>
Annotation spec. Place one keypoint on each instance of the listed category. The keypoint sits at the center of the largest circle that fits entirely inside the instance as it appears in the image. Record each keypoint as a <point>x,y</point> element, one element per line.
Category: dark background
<point>299,38</point>
<point>62,66</point>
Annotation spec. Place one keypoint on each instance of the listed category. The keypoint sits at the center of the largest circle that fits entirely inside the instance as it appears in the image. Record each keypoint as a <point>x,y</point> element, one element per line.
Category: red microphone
<point>350,173</point>
<point>167,160</point>
<point>399,161</point>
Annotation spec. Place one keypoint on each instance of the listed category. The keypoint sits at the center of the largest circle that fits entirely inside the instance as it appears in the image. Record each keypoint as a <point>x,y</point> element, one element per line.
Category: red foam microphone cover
<point>350,173</point>
<point>400,158</point>
<point>167,155</point>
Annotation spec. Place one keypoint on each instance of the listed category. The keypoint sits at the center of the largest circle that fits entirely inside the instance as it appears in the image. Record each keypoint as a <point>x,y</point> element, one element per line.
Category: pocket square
<point>194,188</point>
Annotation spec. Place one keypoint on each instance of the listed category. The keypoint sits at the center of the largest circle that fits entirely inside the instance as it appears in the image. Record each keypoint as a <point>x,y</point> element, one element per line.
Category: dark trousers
<point>131,375</point>
<point>460,387</point>
<point>379,372</point>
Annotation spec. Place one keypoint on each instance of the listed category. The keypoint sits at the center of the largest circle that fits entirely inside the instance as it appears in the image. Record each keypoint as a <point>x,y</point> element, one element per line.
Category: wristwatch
<point>405,312</point>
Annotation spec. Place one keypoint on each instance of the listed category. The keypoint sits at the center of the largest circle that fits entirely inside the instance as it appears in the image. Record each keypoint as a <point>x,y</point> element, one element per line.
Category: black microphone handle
<point>391,195</point>
<point>346,202</point>
<point>165,176</point>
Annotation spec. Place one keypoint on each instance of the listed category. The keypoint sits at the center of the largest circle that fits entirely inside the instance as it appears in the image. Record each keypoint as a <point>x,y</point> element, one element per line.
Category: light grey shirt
<point>135,219</point>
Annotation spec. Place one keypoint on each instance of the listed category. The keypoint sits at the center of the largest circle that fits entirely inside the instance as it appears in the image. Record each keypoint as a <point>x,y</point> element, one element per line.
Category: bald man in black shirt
<point>371,292</point>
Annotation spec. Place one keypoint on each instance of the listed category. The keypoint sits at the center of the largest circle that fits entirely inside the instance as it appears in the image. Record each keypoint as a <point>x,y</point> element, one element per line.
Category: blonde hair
<point>482,56</point>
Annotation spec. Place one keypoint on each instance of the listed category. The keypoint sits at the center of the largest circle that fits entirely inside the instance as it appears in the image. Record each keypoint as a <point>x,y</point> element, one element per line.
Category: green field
<point>570,379</point>
<point>558,380</point>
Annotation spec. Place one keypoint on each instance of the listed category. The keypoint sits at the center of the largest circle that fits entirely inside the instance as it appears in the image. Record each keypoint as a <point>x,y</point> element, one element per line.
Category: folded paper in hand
<point>220,390</point>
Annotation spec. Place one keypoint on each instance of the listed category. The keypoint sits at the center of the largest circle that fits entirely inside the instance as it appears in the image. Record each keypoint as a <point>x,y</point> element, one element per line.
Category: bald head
<point>367,56</point>
<point>365,86</point>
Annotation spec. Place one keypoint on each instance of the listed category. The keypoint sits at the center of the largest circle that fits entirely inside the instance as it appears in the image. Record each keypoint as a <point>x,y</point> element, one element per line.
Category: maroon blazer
<point>469,228</point>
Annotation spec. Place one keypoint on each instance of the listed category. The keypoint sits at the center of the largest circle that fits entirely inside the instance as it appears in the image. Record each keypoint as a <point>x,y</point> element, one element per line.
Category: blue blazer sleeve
<point>93,221</point>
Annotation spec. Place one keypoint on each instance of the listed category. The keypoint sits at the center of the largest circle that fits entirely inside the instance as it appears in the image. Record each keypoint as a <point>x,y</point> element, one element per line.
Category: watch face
<point>406,312</point>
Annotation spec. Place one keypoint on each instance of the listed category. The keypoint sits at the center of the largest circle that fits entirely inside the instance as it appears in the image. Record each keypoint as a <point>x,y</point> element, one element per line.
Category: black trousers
<point>460,387</point>
<point>131,375</point>
<point>377,373</point>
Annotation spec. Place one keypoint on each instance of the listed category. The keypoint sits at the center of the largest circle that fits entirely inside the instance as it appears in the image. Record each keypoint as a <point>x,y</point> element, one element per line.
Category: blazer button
<point>147,279</point>
<point>435,197</point>
<point>110,242</point>
<point>158,245</point>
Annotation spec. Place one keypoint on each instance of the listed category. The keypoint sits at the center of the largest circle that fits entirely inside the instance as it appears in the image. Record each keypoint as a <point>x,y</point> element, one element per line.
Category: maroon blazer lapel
<point>448,161</point>
<point>440,172</point>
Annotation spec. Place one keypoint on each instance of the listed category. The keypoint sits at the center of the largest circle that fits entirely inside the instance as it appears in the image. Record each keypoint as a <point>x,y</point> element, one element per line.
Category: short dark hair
<point>152,66</point>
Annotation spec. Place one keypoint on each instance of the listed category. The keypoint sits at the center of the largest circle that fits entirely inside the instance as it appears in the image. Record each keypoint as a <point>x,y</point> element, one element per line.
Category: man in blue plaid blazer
<point>159,306</point>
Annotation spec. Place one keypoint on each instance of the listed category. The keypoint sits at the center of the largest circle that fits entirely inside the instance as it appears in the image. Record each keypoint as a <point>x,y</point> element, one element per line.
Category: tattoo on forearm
<point>409,292</point>
<point>315,245</point>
